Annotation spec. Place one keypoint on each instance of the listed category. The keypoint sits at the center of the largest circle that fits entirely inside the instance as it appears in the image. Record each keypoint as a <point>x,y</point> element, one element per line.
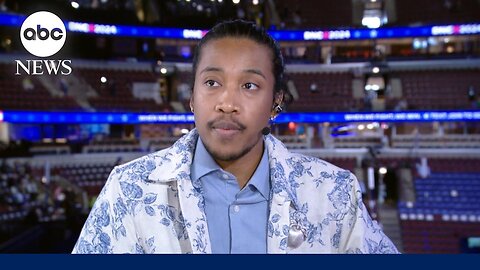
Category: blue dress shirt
<point>236,219</point>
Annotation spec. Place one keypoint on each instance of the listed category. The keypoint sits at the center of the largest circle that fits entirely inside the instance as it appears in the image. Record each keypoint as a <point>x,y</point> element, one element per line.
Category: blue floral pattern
<point>150,205</point>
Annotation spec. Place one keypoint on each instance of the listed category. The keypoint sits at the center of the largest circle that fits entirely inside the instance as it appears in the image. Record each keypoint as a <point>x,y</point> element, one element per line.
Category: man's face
<point>233,96</point>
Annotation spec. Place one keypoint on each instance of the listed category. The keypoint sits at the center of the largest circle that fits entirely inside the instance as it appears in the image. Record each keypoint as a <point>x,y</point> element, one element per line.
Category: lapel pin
<point>296,236</point>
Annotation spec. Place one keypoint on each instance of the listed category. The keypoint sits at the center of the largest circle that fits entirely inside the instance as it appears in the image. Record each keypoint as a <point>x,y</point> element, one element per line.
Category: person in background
<point>228,186</point>
<point>472,97</point>
<point>27,84</point>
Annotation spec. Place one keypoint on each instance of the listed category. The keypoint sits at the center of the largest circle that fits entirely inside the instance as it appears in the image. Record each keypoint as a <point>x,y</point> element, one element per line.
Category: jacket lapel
<point>283,196</point>
<point>174,165</point>
<point>193,210</point>
<point>278,226</point>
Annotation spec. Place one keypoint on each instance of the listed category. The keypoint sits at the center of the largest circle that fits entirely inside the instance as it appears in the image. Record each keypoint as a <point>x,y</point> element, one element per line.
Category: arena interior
<point>388,89</point>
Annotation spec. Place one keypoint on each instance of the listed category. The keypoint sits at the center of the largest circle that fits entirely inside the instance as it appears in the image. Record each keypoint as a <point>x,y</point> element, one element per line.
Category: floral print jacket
<point>150,205</point>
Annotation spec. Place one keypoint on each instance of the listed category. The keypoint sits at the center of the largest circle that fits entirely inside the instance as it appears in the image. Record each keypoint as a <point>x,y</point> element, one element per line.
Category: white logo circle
<point>43,34</point>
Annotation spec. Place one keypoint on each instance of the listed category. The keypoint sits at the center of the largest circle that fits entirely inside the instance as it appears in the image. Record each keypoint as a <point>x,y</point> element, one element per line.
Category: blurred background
<point>389,89</point>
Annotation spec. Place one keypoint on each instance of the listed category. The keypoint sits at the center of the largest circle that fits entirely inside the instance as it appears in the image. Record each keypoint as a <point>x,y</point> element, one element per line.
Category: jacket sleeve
<point>361,234</point>
<point>109,227</point>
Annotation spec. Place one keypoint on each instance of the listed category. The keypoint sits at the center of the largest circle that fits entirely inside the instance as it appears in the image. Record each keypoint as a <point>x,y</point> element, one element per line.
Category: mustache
<point>223,123</point>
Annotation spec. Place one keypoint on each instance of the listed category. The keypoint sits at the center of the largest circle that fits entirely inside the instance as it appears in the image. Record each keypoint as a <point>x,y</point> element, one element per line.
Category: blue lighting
<point>182,118</point>
<point>13,20</point>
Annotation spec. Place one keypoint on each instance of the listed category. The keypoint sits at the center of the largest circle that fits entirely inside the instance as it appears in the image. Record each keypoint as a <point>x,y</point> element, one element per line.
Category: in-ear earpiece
<point>266,131</point>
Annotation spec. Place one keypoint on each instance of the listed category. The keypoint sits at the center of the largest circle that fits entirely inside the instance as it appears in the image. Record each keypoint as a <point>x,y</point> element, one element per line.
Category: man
<point>228,186</point>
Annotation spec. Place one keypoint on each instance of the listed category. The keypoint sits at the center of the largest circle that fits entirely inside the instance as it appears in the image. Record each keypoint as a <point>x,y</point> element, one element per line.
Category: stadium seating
<point>333,92</point>
<point>317,91</point>
<point>116,94</point>
<point>112,145</point>
<point>436,12</point>
<point>438,89</point>
<point>436,141</point>
<point>446,208</point>
<point>339,14</point>
<point>35,97</point>
<point>457,165</point>
<point>91,177</point>
<point>344,163</point>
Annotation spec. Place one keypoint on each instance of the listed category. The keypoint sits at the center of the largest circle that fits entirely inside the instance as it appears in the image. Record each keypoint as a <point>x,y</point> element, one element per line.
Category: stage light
<point>382,170</point>
<point>374,15</point>
<point>61,140</point>
<point>375,83</point>
<point>103,79</point>
<point>163,70</point>
<point>375,70</point>
<point>371,22</point>
<point>292,125</point>
<point>75,5</point>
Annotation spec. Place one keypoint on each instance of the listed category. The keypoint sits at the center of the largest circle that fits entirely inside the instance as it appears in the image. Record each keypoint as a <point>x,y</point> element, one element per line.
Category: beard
<point>228,157</point>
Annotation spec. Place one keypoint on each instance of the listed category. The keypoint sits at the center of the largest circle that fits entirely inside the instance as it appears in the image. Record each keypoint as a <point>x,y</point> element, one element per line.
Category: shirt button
<point>236,208</point>
<point>225,176</point>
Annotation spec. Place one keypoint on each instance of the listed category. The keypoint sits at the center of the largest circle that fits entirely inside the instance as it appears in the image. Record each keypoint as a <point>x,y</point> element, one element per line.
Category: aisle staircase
<point>391,224</point>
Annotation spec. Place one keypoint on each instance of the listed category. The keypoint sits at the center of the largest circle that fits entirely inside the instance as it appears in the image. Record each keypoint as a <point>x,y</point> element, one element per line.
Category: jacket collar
<point>175,160</point>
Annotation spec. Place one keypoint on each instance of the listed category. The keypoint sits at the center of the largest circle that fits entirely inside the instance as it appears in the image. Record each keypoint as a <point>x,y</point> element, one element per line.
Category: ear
<point>191,103</point>
<point>278,99</point>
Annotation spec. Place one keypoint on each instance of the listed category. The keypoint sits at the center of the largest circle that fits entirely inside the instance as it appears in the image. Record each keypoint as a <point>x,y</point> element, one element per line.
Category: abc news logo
<point>43,34</point>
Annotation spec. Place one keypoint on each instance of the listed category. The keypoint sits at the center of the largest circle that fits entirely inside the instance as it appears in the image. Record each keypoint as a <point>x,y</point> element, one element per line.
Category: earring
<point>275,111</point>
<point>278,109</point>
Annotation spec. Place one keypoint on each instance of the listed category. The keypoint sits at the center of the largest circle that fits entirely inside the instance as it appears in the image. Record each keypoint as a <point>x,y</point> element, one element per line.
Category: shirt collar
<point>203,164</point>
<point>261,177</point>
